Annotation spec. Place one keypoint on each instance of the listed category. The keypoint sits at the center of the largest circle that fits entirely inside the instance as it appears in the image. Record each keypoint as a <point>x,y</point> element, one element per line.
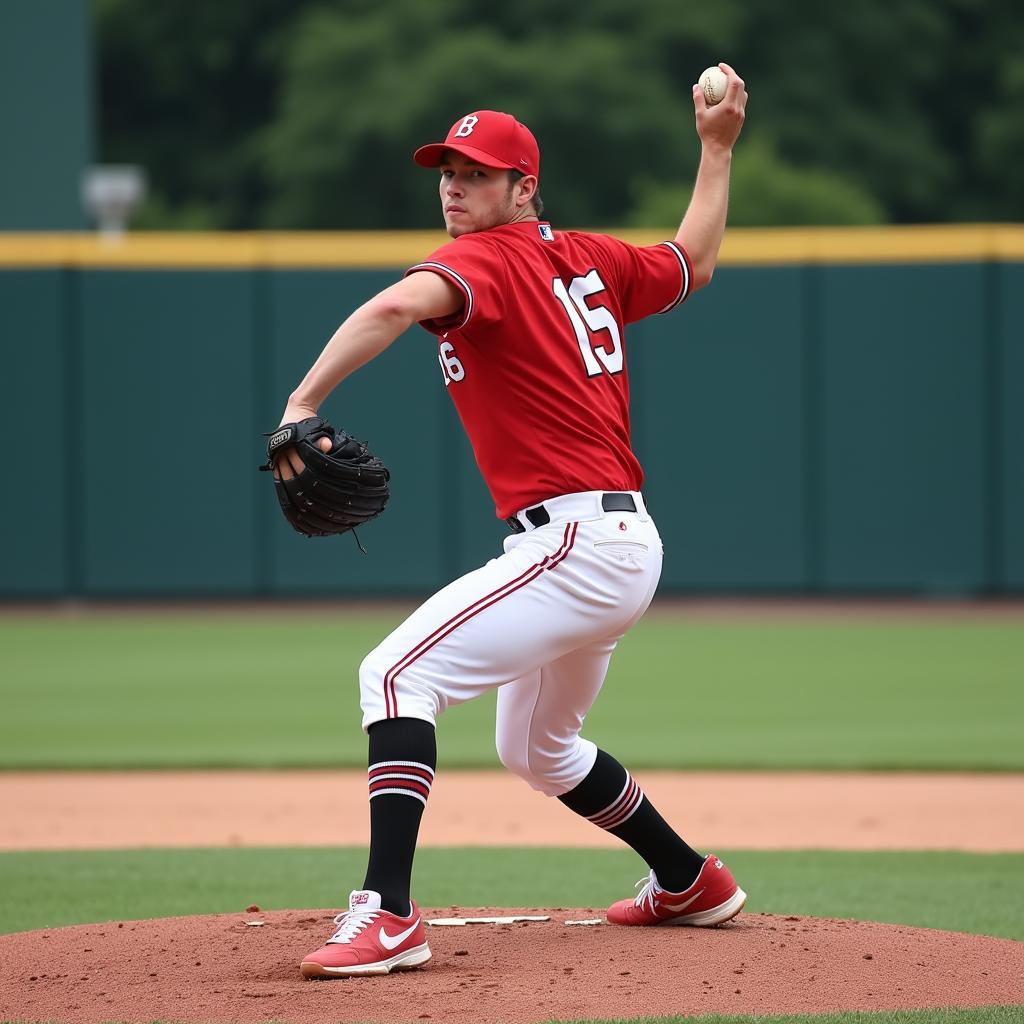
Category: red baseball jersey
<point>535,359</point>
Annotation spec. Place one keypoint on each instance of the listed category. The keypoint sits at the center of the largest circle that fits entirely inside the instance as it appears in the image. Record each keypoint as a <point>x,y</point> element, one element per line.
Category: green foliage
<point>157,213</point>
<point>1001,134</point>
<point>183,89</point>
<point>180,691</point>
<point>765,190</point>
<point>303,113</point>
<point>343,147</point>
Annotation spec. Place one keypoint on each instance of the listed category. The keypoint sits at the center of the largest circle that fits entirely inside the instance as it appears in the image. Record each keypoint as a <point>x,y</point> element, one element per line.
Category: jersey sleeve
<point>652,278</point>
<point>478,271</point>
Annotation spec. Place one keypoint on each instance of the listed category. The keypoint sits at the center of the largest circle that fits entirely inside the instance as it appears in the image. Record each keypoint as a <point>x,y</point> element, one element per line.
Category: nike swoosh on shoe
<point>391,941</point>
<point>676,907</point>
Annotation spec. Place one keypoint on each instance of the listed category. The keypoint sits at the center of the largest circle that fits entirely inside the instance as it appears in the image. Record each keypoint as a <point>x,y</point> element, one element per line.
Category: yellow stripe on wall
<point>220,250</point>
<point>924,243</point>
<point>392,249</point>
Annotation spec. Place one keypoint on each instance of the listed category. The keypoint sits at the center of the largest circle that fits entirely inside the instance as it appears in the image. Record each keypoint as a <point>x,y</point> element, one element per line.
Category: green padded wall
<point>34,556</point>
<point>166,364</point>
<point>394,403</point>
<point>718,411</point>
<point>902,382</point>
<point>45,112</point>
<point>817,429</point>
<point>1010,446</point>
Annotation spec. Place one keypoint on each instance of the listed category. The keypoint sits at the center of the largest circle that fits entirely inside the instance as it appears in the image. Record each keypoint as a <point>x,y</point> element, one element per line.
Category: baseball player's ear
<point>527,189</point>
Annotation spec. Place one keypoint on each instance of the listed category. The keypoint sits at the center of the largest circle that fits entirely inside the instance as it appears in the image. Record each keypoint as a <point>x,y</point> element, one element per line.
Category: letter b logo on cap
<point>467,126</point>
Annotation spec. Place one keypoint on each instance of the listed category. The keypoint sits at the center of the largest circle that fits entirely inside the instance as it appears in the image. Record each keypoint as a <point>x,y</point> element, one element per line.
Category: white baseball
<point>713,84</point>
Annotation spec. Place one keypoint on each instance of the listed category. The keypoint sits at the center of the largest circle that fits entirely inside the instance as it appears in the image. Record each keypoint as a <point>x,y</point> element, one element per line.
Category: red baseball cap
<point>490,138</point>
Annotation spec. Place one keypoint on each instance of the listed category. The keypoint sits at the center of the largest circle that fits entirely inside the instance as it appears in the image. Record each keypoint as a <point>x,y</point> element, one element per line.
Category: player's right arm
<point>703,227</point>
<point>364,335</point>
<point>368,332</point>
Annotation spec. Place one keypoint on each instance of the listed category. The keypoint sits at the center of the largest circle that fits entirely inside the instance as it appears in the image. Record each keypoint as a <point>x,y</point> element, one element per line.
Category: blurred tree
<point>182,89</point>
<point>994,94</point>
<point>339,154</point>
<point>1000,143</point>
<point>765,190</point>
<point>303,113</point>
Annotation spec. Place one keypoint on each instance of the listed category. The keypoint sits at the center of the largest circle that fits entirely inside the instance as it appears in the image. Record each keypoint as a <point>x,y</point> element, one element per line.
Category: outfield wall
<point>841,411</point>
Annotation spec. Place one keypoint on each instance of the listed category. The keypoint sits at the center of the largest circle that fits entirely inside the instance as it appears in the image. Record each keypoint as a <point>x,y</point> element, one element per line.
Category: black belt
<point>612,501</point>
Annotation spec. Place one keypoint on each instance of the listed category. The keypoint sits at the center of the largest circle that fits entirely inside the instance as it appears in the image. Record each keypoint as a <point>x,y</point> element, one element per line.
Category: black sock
<point>610,798</point>
<point>403,755</point>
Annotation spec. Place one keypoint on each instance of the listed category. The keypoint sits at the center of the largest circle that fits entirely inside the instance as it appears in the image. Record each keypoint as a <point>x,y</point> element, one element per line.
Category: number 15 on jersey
<point>599,318</point>
<point>586,321</point>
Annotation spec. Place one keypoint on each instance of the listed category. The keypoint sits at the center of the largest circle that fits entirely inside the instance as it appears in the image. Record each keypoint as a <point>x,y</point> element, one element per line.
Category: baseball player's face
<point>474,197</point>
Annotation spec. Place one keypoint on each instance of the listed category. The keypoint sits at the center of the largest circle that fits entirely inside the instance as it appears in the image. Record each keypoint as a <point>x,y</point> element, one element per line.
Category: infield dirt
<point>730,810</point>
<point>224,968</point>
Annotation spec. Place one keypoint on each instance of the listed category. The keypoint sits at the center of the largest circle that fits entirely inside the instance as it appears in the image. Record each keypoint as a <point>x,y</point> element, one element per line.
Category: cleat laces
<point>648,892</point>
<point>351,922</point>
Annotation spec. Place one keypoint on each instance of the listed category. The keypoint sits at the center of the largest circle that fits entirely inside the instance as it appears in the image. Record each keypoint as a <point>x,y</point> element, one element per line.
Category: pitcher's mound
<point>228,968</point>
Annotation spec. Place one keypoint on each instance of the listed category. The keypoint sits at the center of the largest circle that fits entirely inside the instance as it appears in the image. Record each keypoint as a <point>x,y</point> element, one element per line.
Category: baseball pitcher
<point>530,323</point>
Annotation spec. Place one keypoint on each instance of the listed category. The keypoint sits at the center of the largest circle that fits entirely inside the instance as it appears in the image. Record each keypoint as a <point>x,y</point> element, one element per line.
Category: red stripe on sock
<point>612,814</point>
<point>405,769</point>
<point>414,787</point>
<point>627,791</point>
<point>626,812</point>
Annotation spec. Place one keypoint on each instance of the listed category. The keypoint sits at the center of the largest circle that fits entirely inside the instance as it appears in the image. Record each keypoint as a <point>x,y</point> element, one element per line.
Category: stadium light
<point>110,193</point>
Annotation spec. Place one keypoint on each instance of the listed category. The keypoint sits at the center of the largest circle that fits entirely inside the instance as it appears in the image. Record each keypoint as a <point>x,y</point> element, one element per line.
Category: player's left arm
<point>718,127</point>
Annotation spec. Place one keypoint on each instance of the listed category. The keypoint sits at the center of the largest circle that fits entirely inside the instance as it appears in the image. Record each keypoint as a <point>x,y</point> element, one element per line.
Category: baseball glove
<point>338,489</point>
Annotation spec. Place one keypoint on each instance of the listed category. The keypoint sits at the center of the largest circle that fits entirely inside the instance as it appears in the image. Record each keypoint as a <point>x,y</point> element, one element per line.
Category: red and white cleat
<point>369,941</point>
<point>714,898</point>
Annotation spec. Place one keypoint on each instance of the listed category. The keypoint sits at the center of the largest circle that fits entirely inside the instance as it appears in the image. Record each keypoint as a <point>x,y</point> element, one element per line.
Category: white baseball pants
<point>540,622</point>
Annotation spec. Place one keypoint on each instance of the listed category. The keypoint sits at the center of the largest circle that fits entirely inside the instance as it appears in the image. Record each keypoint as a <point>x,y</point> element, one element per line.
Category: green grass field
<point>923,889</point>
<point>257,690</point>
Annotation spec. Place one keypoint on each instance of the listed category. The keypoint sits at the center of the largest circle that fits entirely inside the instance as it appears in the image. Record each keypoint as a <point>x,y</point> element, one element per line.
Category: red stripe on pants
<point>467,613</point>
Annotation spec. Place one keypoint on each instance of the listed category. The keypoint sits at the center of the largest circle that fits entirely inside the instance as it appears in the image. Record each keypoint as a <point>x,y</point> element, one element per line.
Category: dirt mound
<point>224,968</point>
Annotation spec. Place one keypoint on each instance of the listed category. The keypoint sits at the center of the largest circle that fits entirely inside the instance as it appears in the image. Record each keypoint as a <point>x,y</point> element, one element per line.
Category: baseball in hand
<point>713,83</point>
